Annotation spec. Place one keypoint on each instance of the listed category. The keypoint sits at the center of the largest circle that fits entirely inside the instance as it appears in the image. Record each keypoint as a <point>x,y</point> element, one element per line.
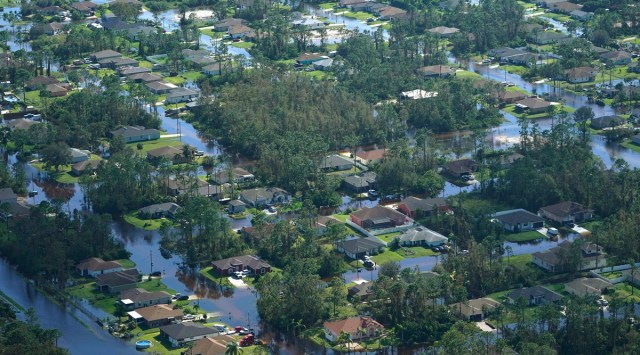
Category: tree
<point>338,293</point>
<point>233,349</point>
<point>55,154</point>
<point>582,116</point>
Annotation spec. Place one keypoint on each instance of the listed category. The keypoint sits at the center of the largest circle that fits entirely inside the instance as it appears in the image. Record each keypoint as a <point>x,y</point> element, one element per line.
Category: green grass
<point>211,33</point>
<point>358,15</point>
<point>160,345</point>
<point>559,108</point>
<point>316,74</point>
<point>389,237</point>
<point>515,69</point>
<point>64,171</point>
<point>353,170</point>
<point>328,5</point>
<point>387,256</point>
<point>3,296</point>
<point>415,252</point>
<point>624,290</point>
<point>518,260</point>
<point>242,44</point>
<point>341,217</point>
<point>523,236</point>
<point>96,298</point>
<point>154,144</point>
<point>126,263</point>
<point>208,273</point>
<point>630,145</point>
<point>465,74</point>
<point>155,285</point>
<point>146,224</point>
<point>146,64</point>
<point>612,275</point>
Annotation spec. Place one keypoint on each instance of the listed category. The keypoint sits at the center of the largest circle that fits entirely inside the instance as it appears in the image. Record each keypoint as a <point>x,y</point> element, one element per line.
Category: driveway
<point>239,283</point>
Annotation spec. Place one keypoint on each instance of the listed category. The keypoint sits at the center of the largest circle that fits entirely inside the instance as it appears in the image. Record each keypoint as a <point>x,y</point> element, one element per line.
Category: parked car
<point>246,272</point>
<point>272,209</point>
<point>238,274</point>
<point>552,231</point>
<point>183,298</point>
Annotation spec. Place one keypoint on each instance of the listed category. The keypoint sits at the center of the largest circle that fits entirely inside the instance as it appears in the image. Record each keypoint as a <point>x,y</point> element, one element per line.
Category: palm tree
<point>233,349</point>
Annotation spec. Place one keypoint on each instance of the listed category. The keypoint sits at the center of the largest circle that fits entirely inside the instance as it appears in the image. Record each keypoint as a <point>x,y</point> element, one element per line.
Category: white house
<point>180,95</point>
<point>96,266</point>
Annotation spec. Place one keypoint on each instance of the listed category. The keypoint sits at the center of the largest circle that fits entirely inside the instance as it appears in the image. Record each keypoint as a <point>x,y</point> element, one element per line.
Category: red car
<point>247,340</point>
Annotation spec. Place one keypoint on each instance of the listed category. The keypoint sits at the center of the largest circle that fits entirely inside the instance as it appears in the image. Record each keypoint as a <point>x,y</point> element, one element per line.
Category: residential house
<point>580,74</point>
<point>255,265</point>
<point>566,212</point>
<point>40,82</point>
<point>169,153</point>
<point>323,223</point>
<point>462,167</point>
<point>422,236</point>
<point>201,62</point>
<point>360,291</point>
<point>504,53</point>
<point>361,182</point>
<point>181,333</point>
<point>378,217</point>
<point>265,196</point>
<point>357,328</point>
<point>105,54</point>
<point>415,207</point>
<point>604,122</point>
<point>359,247</point>
<point>308,22</point>
<point>57,90</point>
<point>532,105</point>
<point>616,57</point>
<point>370,157</point>
<point>509,97</point>
<point>242,32</point>
<point>474,310</point>
<point>96,266</point>
<point>226,24</point>
<point>323,64</point>
<point>335,162</point>
<point>50,29</point>
<point>21,124</point>
<point>156,315</point>
<point>7,195</point>
<point>145,77</point>
<point>587,286</point>
<point>213,69</point>
<point>238,175</point>
<point>80,168</point>
<point>236,206</point>
<point>78,155</point>
<point>581,15</point>
<point>254,235</point>
<point>555,259</point>
<point>132,134</point>
<point>139,297</point>
<point>507,160</point>
<point>436,71</point>
<point>53,11</point>
<point>16,209</point>
<point>160,87</point>
<point>519,220</point>
<point>119,62</point>
<point>136,29</point>
<point>129,71</point>
<point>389,13</point>
<point>444,31</point>
<point>216,345</point>
<point>636,139</point>
<point>307,58</point>
<point>548,3</point>
<point>565,7</point>
<point>116,282</point>
<point>159,210</point>
<point>534,296</point>
<point>177,186</point>
<point>87,8</point>
<point>633,67</point>
<point>181,95</point>
<point>349,3</point>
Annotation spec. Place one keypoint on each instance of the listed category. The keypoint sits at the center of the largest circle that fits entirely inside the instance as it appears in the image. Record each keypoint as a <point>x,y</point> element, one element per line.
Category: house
<point>242,32</point>
<point>176,186</point>
<point>548,3</point>
<point>160,87</point>
<point>534,296</point>
<point>255,234</point>
<point>459,168</point>
<point>323,223</point>
<point>212,69</point>
<point>156,315</point>
<point>16,209</point>
<point>586,286</point>
<point>132,134</point>
<point>181,333</point>
<point>444,31</point>
<point>238,175</point>
<point>509,97</point>
<point>474,310</point>
<point>159,210</point>
<point>236,206</point>
<point>604,122</point>
<point>636,139</point>
<point>362,182</point>
<point>226,24</point>
<point>96,266</point>
<point>211,346</point>
<point>115,282</point>
<point>145,77</point>
<point>323,64</point>
<point>418,94</point>
<point>136,29</point>
<point>21,124</point>
<point>308,22</point>
<point>80,168</point>
<point>360,291</point>
<point>504,53</point>
<point>119,62</point>
<point>389,13</point>
<point>87,8</point>
<point>507,160</point>
<point>50,29</point>
<point>436,71</point>
<point>532,105</point>
<point>350,3</point>
<point>370,157</point>
<point>53,11</point>
<point>335,162</point>
<point>565,7</point>
<point>57,90</point>
<point>616,57</point>
<point>169,153</point>
<point>422,236</point>
<point>356,327</point>
<point>415,207</point>
<point>566,212</point>
<point>555,259</point>
<point>78,155</point>
<point>580,74</point>
<point>129,71</point>
<point>359,247</point>
<point>180,95</point>
<point>377,217</point>
<point>40,82</point>
<point>139,297</point>
<point>265,196</point>
<point>7,195</point>
<point>255,265</point>
<point>307,58</point>
<point>581,15</point>
<point>519,220</point>
<point>106,54</point>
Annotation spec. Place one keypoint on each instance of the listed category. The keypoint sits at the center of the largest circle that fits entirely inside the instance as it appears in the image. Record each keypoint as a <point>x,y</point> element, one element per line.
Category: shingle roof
<point>212,346</point>
<point>352,324</point>
<point>159,311</point>
<point>375,154</point>
<point>415,203</point>
<point>142,295</point>
<point>334,161</point>
<point>169,207</point>
<point>533,102</point>
<point>119,278</point>
<point>97,264</point>
<point>535,291</point>
<point>108,53</point>
<point>361,245</point>
<point>182,331</point>
<point>514,217</point>
<point>130,131</point>
<point>7,193</point>
<point>245,260</point>
<point>565,209</point>
<point>422,234</point>
<point>376,212</point>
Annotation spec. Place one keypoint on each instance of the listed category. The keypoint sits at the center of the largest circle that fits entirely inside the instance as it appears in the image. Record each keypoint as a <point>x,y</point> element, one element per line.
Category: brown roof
<point>119,278</point>
<point>415,203</point>
<point>159,311</point>
<point>511,95</point>
<point>167,152</point>
<point>97,264</point>
<point>42,80</point>
<point>309,56</point>
<point>352,324</point>
<point>436,69</point>
<point>533,102</point>
<point>474,307</point>
<point>245,260</point>
<point>372,154</point>
<point>391,11</point>
<point>565,209</point>
<point>376,212</point>
<point>443,30</point>
<point>211,346</point>
<point>581,72</point>
<point>461,166</point>
<point>145,77</point>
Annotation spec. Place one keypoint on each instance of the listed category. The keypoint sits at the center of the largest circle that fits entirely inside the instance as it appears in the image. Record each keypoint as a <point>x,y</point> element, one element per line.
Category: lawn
<point>154,144</point>
<point>522,260</point>
<point>353,170</point>
<point>96,298</point>
<point>208,273</point>
<point>465,74</point>
<point>160,345</point>
<point>559,108</point>
<point>624,290</point>
<point>155,284</point>
<point>126,263</point>
<point>630,145</point>
<point>389,236</point>
<point>415,252</point>
<point>515,69</point>
<point>316,74</point>
<point>612,275</point>
<point>64,171</point>
<point>358,15</point>
<point>146,64</point>
<point>523,236</point>
<point>242,44</point>
<point>146,224</point>
<point>387,256</point>
<point>342,218</point>
<point>211,33</point>
<point>328,5</point>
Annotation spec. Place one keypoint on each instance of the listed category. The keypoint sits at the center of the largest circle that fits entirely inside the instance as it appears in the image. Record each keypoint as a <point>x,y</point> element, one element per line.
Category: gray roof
<point>183,331</point>
<point>7,193</point>
<point>119,278</point>
<point>533,102</point>
<point>362,180</point>
<point>334,161</point>
<point>415,203</point>
<point>607,121</point>
<point>565,209</point>
<point>134,70</point>
<point>514,217</point>
<point>267,193</point>
<point>178,92</point>
<point>422,234</point>
<point>245,260</point>
<point>108,53</point>
<point>535,291</point>
<point>142,295</point>
<point>167,207</point>
<point>361,245</point>
<point>132,131</point>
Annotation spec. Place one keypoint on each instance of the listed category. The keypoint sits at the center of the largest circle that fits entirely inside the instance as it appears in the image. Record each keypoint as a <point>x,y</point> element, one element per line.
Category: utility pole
<point>151,259</point>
